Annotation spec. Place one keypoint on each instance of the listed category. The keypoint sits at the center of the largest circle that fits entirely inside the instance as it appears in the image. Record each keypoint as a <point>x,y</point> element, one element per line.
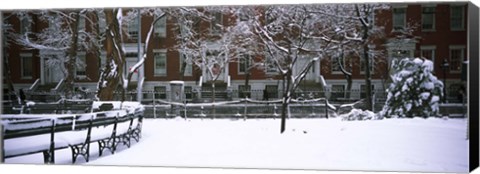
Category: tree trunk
<point>347,74</point>
<point>96,28</point>
<point>286,99</point>
<point>284,112</point>
<point>368,80</point>
<point>349,86</point>
<point>213,98</point>
<point>182,68</point>
<point>70,64</point>
<point>247,83</point>
<point>112,76</point>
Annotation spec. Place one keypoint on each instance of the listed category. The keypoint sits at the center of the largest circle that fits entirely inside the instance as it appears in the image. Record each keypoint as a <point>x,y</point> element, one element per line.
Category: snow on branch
<point>147,41</point>
<point>264,33</point>
<point>25,41</point>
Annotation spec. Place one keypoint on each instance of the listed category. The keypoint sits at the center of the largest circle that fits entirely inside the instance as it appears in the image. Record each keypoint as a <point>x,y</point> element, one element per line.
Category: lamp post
<point>445,67</point>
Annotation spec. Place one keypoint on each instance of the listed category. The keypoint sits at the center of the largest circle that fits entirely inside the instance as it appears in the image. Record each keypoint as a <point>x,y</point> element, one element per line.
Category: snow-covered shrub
<point>358,114</point>
<point>414,90</point>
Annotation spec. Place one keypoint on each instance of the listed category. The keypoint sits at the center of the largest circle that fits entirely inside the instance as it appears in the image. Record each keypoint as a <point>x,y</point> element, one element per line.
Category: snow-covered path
<point>433,145</point>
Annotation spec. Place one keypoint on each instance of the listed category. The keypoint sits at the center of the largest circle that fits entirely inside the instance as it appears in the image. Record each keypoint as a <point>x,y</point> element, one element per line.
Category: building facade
<point>440,31</point>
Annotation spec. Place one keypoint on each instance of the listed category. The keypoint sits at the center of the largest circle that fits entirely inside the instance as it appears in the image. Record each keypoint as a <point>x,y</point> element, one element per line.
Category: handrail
<point>59,84</point>
<point>228,81</point>
<point>34,85</point>
<point>200,81</point>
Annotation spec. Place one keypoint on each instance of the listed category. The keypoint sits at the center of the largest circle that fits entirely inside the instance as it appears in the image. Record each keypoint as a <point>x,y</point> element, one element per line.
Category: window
<point>160,92</point>
<point>160,61</point>
<point>212,54</point>
<point>27,65</point>
<point>81,65</point>
<point>133,28</point>
<point>81,23</point>
<point>197,25</point>
<point>399,18</point>
<point>131,54</point>
<point>338,91</point>
<point>244,63</point>
<point>161,27</point>
<point>272,91</point>
<point>456,58</point>
<point>428,52</point>
<point>102,24</point>
<point>363,91</point>
<point>456,17</point>
<point>336,69</point>
<point>215,24</point>
<point>25,25</point>
<point>188,67</point>
<point>400,54</point>
<point>103,59</point>
<point>243,16</point>
<point>244,91</point>
<point>363,67</point>
<point>428,18</point>
<point>313,68</point>
<point>270,67</point>
<point>269,18</point>
<point>52,23</point>
<point>188,92</point>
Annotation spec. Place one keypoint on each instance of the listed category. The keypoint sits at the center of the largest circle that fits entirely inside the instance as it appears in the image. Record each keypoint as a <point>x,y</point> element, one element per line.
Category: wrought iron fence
<point>337,96</point>
<point>238,109</point>
<point>220,95</point>
<point>241,110</point>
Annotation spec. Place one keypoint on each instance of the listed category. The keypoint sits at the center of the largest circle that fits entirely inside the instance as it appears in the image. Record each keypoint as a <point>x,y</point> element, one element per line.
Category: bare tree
<point>64,36</point>
<point>6,39</point>
<point>113,73</point>
<point>295,37</point>
<point>211,50</point>
<point>358,31</point>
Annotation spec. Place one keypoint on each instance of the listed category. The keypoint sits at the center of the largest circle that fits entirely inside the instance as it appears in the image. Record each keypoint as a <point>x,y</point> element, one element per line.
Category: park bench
<point>76,132</point>
<point>61,107</point>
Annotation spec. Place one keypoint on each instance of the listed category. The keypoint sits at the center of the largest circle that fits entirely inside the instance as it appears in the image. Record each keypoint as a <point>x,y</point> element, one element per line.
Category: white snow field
<point>415,145</point>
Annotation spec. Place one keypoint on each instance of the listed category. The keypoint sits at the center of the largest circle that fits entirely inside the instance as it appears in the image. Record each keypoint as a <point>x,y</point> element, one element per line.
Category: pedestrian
<point>22,96</point>
<point>265,94</point>
<point>461,93</point>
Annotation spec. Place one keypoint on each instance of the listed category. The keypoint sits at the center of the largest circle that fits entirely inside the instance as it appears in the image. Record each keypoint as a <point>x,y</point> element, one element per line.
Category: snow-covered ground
<point>416,145</point>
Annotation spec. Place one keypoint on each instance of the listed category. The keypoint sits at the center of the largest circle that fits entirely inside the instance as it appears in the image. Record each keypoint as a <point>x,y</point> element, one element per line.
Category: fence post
<point>154,106</point>
<point>466,116</point>
<point>464,108</point>
<point>313,109</point>
<point>275,115</point>
<point>185,108</point>
<point>245,110</point>
<point>374,98</point>
<point>2,144</point>
<point>326,108</point>
<point>51,156</point>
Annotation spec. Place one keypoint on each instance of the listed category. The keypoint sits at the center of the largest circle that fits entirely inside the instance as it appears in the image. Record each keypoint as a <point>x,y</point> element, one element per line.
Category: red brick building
<point>441,29</point>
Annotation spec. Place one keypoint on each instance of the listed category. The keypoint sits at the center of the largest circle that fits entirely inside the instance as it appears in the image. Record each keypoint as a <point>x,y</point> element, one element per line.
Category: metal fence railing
<point>220,95</point>
<point>336,96</point>
<point>154,108</point>
<point>238,109</point>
